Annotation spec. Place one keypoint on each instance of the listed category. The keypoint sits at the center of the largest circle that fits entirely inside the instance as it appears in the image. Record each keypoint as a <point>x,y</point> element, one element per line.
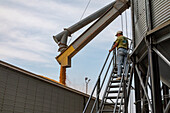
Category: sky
<point>26,31</point>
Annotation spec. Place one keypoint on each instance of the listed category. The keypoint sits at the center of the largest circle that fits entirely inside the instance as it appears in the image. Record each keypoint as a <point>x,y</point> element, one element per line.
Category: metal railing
<point>126,90</point>
<point>99,87</point>
<point>97,84</point>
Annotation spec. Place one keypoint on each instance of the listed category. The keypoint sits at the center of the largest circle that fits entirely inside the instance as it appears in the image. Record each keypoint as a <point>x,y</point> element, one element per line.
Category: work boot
<point>121,94</point>
<point>126,78</point>
<point>119,78</point>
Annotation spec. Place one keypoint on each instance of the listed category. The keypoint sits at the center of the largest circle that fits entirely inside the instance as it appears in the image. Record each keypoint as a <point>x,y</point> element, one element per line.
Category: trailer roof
<point>40,77</point>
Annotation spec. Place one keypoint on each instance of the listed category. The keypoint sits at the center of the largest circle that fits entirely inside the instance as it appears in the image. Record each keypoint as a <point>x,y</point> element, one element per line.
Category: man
<point>122,46</point>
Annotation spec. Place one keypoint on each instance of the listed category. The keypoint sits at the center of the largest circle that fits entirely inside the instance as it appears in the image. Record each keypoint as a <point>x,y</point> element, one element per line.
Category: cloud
<point>15,43</point>
<point>19,18</point>
<point>26,33</point>
<point>8,53</point>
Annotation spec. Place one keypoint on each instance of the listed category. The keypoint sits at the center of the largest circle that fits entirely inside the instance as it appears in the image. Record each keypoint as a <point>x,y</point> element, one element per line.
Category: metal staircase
<point>113,98</point>
<point>116,94</point>
<point>102,18</point>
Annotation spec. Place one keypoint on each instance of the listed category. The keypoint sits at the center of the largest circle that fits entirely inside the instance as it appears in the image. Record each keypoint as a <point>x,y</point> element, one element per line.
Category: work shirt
<point>122,42</point>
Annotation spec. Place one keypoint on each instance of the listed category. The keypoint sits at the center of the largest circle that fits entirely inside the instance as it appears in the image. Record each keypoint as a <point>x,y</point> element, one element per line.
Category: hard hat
<point>119,32</point>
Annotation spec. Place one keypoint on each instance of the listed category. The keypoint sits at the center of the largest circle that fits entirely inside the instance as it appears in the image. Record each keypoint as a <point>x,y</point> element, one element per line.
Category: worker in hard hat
<point>122,46</point>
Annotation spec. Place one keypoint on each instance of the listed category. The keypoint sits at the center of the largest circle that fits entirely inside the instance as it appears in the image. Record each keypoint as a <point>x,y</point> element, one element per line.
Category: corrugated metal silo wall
<point>160,15</point>
<point>21,93</point>
<point>160,10</point>
<point>139,20</point>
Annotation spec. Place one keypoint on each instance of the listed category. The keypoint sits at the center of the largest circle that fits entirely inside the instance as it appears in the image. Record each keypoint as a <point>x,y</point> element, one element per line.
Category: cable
<point>122,21</point>
<point>81,18</point>
<point>85,9</point>
<point>126,24</point>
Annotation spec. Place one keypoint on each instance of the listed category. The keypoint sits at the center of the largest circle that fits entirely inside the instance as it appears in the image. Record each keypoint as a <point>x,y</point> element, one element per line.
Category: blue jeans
<point>121,60</point>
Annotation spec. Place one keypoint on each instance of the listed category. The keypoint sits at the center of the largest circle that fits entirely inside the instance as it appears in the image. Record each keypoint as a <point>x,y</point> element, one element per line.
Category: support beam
<point>65,58</point>
<point>145,103</point>
<point>155,80</point>
<point>137,92</point>
<point>125,96</point>
<point>167,109</point>
<point>82,22</point>
<point>61,38</point>
<point>153,65</point>
<point>97,95</point>
<point>165,94</point>
<point>162,56</point>
<point>142,84</point>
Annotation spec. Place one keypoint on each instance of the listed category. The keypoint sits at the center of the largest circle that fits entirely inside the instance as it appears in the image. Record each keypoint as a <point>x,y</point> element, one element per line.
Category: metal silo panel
<point>140,25</point>
<point>135,10</point>
<point>160,12</point>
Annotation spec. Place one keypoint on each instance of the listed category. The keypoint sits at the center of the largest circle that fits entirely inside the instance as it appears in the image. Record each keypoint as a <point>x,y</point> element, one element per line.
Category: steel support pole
<point>129,84</point>
<point>145,103</point>
<point>161,56</point>
<point>142,84</point>
<point>86,87</point>
<point>98,94</point>
<point>155,80</point>
<point>167,109</point>
<point>153,65</point>
<point>165,94</point>
<point>136,79</point>
<point>137,91</point>
<point>125,95</point>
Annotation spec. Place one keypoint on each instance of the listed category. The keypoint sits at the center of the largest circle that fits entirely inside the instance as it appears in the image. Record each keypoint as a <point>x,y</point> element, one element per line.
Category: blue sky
<point>26,31</point>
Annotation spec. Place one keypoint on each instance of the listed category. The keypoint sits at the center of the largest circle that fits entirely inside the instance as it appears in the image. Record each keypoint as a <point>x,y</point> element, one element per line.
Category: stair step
<point>113,103</point>
<point>115,72</point>
<point>114,91</point>
<point>115,81</point>
<point>115,86</point>
<point>114,76</point>
<point>109,110</point>
<point>113,97</point>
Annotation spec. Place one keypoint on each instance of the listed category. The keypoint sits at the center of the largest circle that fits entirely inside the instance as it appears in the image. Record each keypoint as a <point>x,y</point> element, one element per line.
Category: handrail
<point>120,104</point>
<point>98,81</point>
<point>130,82</point>
<point>105,90</point>
<point>123,81</point>
<point>85,108</point>
<point>124,87</point>
<point>101,85</point>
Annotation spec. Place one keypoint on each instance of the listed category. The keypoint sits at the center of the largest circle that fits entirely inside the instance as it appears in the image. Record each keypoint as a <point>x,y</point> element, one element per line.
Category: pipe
<point>63,42</point>
<point>83,22</point>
